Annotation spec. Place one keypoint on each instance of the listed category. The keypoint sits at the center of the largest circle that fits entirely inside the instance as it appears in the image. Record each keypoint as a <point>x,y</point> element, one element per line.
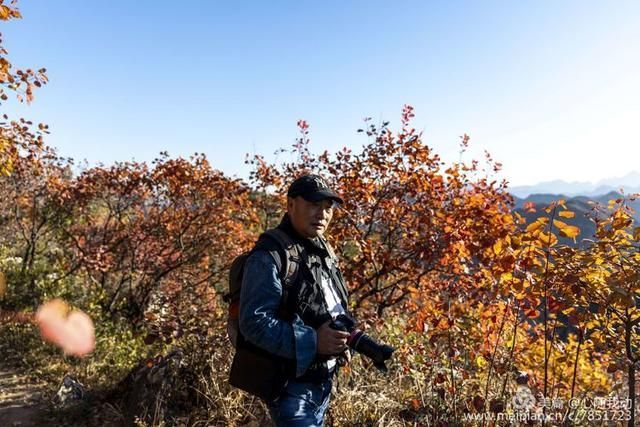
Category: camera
<point>363,343</point>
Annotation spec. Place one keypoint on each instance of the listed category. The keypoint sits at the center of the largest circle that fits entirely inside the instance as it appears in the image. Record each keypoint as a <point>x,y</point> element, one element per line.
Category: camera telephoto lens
<point>363,343</point>
<point>378,353</point>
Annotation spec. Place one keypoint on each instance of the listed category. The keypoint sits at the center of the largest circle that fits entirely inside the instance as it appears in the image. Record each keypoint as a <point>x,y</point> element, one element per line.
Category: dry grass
<point>362,397</point>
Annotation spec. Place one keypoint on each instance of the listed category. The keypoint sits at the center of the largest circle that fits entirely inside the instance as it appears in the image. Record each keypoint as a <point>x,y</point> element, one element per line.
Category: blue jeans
<point>301,404</point>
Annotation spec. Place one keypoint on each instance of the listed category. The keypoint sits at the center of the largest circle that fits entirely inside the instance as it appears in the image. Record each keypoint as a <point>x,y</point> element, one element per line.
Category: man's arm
<point>260,299</point>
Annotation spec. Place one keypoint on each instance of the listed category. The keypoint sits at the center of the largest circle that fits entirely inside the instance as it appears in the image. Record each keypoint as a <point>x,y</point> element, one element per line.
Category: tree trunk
<point>631,380</point>
<point>632,394</point>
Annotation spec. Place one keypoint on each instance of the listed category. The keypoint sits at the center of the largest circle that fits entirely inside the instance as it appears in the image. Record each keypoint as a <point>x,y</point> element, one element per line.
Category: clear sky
<point>550,88</point>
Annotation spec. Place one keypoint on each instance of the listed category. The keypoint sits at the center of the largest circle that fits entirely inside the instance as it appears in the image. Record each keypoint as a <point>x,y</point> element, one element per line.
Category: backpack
<point>253,369</point>
<point>288,268</point>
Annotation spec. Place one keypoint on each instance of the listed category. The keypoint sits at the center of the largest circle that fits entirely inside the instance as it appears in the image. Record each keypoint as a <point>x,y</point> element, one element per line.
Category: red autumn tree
<point>132,229</point>
<point>409,224</point>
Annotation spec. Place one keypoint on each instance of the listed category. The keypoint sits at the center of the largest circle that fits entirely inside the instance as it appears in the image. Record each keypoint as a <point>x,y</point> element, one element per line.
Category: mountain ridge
<point>629,183</point>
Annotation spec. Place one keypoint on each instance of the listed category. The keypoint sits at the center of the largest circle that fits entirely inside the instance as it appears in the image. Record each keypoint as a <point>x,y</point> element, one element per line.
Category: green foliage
<point>118,349</point>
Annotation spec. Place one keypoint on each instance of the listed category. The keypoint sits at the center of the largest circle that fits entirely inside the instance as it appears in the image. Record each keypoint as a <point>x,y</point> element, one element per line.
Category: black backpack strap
<point>288,260</point>
<point>290,265</point>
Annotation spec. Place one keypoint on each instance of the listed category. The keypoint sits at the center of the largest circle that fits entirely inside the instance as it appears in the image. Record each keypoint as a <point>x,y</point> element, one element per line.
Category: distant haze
<point>629,183</point>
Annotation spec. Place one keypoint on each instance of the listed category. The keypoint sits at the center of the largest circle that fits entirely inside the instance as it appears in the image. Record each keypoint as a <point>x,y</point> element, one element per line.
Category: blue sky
<point>550,88</point>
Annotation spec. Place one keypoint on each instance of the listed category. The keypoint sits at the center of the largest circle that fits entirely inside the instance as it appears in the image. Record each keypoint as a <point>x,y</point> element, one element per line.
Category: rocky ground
<point>22,400</point>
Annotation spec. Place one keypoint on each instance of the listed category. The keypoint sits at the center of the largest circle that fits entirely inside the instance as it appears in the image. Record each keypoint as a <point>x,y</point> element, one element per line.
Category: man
<point>304,338</point>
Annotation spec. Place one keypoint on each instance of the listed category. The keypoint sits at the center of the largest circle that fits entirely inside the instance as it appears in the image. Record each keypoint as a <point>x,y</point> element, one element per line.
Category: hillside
<point>582,206</point>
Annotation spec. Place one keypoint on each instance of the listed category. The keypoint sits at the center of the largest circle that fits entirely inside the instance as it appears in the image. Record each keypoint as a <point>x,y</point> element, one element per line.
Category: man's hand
<point>345,358</point>
<point>330,341</point>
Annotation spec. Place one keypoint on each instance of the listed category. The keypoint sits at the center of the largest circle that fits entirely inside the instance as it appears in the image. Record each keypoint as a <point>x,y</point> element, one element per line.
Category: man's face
<point>310,219</point>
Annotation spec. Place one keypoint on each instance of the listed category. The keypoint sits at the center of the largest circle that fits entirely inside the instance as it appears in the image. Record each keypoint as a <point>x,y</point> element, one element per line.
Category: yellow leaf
<point>548,239</point>
<point>505,277</point>
<point>566,230</point>
<point>497,247</point>
<point>559,224</point>
<point>570,231</point>
<point>537,225</point>
<point>567,214</point>
<point>481,361</point>
<point>520,295</point>
<point>636,233</point>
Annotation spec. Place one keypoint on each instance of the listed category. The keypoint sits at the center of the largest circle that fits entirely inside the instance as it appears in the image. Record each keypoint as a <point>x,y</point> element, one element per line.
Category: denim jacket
<point>260,299</point>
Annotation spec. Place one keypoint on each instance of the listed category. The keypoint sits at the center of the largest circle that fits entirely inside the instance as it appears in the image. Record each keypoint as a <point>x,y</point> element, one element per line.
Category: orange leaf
<point>5,12</point>
<point>530,207</point>
<point>531,313</point>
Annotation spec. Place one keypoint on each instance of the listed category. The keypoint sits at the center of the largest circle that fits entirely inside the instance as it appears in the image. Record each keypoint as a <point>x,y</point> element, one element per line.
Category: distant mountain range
<point>630,183</point>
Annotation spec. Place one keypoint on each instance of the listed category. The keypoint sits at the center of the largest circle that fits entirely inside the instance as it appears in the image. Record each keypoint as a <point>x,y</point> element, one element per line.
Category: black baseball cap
<point>312,188</point>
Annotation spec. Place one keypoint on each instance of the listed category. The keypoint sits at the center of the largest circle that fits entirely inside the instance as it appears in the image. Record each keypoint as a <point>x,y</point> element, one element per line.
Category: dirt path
<point>21,400</point>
